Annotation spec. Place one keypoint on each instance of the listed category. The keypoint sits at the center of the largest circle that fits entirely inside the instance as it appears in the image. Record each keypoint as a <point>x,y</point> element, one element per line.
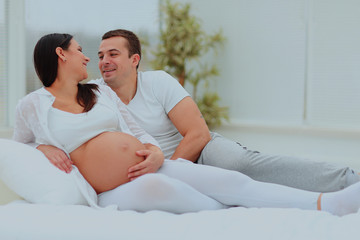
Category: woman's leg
<point>342,202</point>
<point>158,192</point>
<point>233,188</point>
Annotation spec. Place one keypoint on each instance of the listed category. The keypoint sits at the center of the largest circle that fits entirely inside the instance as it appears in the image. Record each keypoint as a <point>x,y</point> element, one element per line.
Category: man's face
<point>114,61</point>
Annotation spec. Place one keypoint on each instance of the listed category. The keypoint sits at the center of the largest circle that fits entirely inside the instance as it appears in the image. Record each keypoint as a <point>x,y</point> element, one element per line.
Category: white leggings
<point>180,186</point>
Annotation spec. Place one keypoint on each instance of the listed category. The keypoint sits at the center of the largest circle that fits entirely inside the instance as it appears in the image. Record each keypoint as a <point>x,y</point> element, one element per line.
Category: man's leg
<point>290,171</point>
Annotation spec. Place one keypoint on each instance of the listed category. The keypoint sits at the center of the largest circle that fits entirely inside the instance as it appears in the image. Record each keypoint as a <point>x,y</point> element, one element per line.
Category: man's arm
<point>187,118</point>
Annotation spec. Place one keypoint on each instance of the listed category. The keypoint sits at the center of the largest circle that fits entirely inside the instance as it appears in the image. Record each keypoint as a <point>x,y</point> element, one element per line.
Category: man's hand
<point>154,158</point>
<point>57,157</point>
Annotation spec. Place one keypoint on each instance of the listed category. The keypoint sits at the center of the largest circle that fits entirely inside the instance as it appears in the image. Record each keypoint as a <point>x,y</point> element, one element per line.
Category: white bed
<point>30,175</point>
<point>20,220</point>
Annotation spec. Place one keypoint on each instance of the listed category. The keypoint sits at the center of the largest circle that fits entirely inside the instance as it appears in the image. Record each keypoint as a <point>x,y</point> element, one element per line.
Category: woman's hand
<point>154,158</point>
<point>57,157</point>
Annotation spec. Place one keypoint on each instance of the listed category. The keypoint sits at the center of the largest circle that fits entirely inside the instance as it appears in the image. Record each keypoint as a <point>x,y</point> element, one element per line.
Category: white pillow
<point>29,174</point>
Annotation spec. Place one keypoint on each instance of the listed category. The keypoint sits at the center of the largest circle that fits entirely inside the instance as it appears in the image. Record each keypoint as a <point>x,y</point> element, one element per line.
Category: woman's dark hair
<point>133,42</point>
<point>46,66</point>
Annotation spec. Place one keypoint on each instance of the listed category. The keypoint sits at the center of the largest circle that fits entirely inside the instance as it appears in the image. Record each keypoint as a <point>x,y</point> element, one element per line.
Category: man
<point>166,111</point>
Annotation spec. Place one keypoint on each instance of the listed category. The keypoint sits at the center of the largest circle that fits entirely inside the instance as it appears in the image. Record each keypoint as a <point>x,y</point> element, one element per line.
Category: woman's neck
<point>64,90</point>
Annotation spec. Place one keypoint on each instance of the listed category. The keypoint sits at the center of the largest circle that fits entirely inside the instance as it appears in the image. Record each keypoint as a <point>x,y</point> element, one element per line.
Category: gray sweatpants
<point>290,171</point>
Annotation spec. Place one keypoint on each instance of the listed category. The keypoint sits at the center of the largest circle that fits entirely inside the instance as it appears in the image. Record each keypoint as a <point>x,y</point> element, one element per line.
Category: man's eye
<point>113,54</point>
<point>101,57</point>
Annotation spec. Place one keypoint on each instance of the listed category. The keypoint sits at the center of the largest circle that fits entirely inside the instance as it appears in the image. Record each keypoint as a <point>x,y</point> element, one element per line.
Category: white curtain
<point>334,76</point>
<point>3,67</point>
<point>288,63</point>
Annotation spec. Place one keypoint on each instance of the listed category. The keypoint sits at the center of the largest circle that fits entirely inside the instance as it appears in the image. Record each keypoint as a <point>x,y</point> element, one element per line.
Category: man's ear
<point>136,59</point>
<point>60,52</point>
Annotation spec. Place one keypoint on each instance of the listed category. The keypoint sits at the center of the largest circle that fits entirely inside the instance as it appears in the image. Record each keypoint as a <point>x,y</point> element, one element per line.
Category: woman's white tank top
<point>72,130</point>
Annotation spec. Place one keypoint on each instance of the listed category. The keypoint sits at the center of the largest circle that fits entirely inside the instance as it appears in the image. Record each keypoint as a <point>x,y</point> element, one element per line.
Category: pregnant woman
<point>88,125</point>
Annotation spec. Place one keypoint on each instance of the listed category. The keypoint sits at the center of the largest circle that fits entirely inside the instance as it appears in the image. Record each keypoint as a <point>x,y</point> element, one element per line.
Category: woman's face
<point>76,60</point>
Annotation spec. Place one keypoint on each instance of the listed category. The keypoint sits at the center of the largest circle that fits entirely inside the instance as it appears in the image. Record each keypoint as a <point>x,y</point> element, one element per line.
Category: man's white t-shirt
<point>157,93</point>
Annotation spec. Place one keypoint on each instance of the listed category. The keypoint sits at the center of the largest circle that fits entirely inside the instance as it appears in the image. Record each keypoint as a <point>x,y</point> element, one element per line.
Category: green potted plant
<point>182,44</point>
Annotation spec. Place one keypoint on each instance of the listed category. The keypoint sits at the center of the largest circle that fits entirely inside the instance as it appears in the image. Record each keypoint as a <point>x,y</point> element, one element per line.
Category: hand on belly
<point>105,159</point>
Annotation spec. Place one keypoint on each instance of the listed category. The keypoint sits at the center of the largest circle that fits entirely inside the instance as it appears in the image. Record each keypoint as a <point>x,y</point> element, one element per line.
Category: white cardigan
<point>31,121</point>
<point>31,127</point>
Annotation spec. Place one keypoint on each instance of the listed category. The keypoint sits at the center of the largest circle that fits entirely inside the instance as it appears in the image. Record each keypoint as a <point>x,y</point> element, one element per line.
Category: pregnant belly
<point>105,159</point>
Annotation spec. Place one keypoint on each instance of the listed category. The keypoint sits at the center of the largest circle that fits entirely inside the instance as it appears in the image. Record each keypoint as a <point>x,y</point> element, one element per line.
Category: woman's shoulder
<point>35,95</point>
<point>32,101</point>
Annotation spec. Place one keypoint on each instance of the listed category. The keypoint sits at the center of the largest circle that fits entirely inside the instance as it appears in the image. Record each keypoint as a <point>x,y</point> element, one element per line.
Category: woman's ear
<point>60,52</point>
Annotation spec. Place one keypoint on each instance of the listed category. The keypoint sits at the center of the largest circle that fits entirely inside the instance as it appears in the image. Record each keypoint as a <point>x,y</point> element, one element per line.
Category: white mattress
<point>20,220</point>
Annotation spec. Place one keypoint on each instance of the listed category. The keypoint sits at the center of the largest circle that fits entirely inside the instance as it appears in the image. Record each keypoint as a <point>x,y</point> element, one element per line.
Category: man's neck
<point>126,91</point>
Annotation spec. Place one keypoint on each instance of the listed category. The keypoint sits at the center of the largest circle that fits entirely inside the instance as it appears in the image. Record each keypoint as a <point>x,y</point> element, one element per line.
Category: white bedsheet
<point>20,220</point>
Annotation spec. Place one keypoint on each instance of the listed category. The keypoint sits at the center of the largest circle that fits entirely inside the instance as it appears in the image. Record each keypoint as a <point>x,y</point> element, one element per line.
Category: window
<point>87,21</point>
<point>284,62</point>
<point>3,71</point>
<point>13,60</point>
<point>289,63</point>
<point>334,85</point>
<point>22,23</point>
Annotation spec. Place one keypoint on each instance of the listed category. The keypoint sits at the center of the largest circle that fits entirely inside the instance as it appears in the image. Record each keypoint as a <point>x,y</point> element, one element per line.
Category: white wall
<point>290,74</point>
<point>15,61</point>
<point>337,146</point>
<point>263,60</point>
